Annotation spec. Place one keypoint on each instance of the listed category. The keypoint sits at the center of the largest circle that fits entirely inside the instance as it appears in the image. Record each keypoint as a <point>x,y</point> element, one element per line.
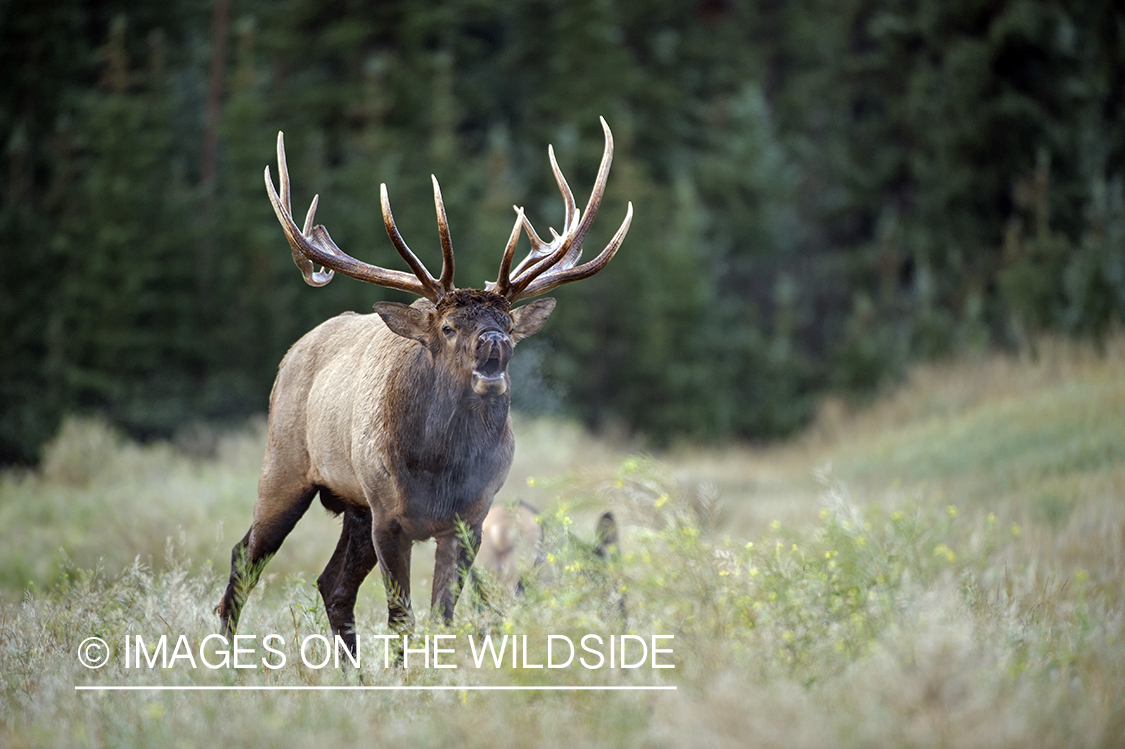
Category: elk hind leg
<point>250,555</point>
<point>349,566</point>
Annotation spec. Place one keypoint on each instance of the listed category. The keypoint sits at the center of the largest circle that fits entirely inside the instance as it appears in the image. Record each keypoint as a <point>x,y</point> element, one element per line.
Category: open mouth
<point>488,378</point>
<point>494,349</point>
<point>491,368</point>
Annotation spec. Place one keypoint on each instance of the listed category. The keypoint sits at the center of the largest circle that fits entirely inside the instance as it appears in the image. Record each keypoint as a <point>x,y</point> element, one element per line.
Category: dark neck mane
<point>451,442</point>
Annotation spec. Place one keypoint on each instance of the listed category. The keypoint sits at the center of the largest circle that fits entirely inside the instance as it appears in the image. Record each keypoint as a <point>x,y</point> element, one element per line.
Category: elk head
<point>473,331</point>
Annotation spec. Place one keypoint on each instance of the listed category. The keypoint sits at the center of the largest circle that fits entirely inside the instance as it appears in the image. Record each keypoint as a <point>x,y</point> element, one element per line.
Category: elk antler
<point>436,287</point>
<point>313,245</point>
<point>551,264</point>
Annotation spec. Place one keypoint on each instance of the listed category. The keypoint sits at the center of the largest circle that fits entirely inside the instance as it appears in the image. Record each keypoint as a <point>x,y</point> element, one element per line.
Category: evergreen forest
<point>824,193</point>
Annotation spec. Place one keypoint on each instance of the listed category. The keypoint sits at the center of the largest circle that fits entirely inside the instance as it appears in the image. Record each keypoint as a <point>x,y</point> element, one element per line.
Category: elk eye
<point>447,330</point>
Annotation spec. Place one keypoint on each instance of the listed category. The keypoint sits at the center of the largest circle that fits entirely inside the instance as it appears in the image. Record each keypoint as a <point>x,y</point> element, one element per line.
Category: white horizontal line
<point>306,688</point>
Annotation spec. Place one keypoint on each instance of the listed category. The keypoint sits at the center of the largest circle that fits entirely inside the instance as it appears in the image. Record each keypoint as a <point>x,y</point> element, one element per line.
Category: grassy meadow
<point>943,566</point>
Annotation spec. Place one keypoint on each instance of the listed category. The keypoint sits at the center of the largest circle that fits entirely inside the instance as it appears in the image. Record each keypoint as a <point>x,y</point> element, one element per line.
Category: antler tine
<point>574,250</point>
<point>313,244</point>
<point>446,281</point>
<point>569,249</point>
<point>564,188</point>
<point>432,288</point>
<point>310,215</point>
<point>503,279</point>
<point>312,276</point>
<point>571,223</point>
<point>539,248</point>
<point>282,174</point>
<point>559,276</point>
<point>595,200</point>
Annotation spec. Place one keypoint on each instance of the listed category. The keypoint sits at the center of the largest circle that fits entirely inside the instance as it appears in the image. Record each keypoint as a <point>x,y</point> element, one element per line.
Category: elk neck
<point>450,443</point>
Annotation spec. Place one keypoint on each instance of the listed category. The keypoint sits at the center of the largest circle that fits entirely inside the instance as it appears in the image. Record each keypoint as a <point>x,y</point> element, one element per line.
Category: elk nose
<point>494,349</point>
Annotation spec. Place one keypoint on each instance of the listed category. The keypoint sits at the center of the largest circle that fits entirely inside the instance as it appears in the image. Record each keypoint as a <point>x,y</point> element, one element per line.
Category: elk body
<point>399,420</point>
<point>511,543</point>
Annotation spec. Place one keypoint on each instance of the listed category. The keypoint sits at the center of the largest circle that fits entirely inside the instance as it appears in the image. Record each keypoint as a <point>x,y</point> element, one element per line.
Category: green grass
<point>941,568</point>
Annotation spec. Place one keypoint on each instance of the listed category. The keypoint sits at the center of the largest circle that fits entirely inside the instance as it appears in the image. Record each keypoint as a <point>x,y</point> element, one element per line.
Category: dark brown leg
<point>349,566</point>
<point>250,555</point>
<point>392,548</point>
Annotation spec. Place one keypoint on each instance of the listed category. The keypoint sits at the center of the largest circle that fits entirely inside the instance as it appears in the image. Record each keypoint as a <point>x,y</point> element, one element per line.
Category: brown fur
<point>389,418</point>
<point>473,298</point>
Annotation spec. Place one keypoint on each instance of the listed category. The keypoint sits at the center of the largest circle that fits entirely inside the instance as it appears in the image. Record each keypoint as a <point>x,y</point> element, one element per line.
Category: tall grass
<point>921,591</point>
<point>99,498</point>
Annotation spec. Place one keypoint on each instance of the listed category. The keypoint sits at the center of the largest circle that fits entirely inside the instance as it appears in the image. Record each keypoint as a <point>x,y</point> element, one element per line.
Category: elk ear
<point>408,322</point>
<point>528,319</point>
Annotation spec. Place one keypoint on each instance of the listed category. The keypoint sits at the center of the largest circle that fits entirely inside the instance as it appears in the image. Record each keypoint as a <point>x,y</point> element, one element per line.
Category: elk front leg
<point>392,548</point>
<point>349,566</point>
<point>452,563</point>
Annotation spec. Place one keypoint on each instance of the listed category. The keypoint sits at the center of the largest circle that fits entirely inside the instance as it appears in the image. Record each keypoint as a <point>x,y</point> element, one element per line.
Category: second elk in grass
<point>399,420</point>
<point>515,546</point>
<point>511,544</point>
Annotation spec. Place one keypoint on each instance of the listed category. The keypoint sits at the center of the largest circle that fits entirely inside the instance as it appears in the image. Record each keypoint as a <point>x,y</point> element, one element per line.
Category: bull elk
<point>399,419</point>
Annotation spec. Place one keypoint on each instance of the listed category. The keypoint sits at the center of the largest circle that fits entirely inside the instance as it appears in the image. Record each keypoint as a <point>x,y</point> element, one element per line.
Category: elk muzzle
<point>493,352</point>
